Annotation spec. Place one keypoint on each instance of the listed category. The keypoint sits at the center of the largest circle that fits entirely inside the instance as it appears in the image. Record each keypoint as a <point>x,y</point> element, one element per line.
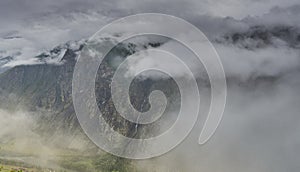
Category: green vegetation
<point>67,162</point>
<point>7,168</point>
<point>103,163</point>
<point>60,160</point>
<point>109,163</point>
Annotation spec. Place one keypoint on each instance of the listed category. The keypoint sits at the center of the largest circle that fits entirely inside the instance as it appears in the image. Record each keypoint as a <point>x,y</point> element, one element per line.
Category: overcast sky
<point>24,9</point>
<point>66,16</point>
<point>39,25</point>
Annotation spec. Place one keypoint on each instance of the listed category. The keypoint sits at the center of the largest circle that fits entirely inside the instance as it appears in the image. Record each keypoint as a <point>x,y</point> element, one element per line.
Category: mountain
<point>46,87</point>
<point>261,36</point>
<point>3,61</point>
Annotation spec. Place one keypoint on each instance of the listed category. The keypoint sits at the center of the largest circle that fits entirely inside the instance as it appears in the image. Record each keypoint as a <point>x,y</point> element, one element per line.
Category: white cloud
<point>244,64</point>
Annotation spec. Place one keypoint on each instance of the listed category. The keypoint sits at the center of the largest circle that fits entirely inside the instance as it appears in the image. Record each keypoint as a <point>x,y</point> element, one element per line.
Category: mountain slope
<point>48,88</point>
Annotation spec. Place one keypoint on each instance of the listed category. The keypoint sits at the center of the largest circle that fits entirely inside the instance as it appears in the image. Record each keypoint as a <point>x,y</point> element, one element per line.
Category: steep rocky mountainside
<point>44,88</point>
<point>47,88</point>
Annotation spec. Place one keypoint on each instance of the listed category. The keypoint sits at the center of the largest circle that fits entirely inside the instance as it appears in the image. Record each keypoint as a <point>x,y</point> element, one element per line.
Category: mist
<point>22,141</point>
<point>259,132</point>
<point>260,127</point>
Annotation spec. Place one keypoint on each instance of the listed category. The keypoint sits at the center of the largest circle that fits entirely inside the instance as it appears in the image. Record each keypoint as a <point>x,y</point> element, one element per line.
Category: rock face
<point>261,37</point>
<point>42,87</point>
<point>47,88</point>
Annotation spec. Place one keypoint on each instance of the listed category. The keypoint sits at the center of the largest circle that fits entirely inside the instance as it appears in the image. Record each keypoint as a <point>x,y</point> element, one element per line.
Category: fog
<point>260,127</point>
<point>259,132</point>
<point>21,140</point>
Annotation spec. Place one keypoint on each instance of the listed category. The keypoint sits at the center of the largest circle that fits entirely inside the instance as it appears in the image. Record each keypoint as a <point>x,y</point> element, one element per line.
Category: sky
<point>30,27</point>
<point>41,24</point>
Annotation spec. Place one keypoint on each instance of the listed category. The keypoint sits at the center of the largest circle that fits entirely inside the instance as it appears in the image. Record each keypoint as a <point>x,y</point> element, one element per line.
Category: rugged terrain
<point>44,90</point>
